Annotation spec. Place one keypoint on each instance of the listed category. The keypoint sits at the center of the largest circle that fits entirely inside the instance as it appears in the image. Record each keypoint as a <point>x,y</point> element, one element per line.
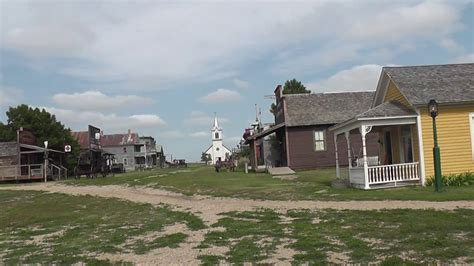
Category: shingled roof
<point>444,83</point>
<point>325,108</point>
<point>388,109</point>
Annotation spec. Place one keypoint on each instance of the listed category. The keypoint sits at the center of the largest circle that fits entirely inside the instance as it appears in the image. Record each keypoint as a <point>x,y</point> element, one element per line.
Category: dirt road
<point>208,207</point>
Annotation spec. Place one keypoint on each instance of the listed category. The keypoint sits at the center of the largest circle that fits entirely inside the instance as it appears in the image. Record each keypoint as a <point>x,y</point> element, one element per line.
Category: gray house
<point>132,151</point>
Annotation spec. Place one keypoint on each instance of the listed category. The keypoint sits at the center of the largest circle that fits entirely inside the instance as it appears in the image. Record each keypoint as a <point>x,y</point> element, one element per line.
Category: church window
<point>217,149</point>
<point>217,135</point>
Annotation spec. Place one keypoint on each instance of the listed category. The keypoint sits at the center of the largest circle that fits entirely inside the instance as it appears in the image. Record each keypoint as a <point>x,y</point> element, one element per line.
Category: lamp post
<point>45,160</point>
<point>433,109</point>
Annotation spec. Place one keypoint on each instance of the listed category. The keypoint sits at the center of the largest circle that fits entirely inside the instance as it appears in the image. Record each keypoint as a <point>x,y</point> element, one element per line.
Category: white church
<point>217,149</point>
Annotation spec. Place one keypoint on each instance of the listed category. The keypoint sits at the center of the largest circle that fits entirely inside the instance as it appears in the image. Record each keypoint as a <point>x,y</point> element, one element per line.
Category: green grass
<point>77,228</point>
<point>311,185</point>
<point>390,237</point>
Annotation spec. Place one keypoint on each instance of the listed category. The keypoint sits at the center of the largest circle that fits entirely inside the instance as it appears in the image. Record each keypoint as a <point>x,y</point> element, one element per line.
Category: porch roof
<point>387,113</point>
<point>266,132</point>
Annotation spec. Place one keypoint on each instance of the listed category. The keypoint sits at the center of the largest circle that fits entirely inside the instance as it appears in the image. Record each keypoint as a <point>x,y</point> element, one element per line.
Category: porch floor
<point>280,171</point>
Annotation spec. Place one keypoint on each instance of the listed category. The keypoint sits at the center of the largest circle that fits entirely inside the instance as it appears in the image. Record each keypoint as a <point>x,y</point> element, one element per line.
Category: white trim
<point>405,120</point>
<point>386,118</point>
<point>471,122</point>
<point>377,89</point>
<point>385,90</point>
<point>421,151</point>
<point>336,128</point>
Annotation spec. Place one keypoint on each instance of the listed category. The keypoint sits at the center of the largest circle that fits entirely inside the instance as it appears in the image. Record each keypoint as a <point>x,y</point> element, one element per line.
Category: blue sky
<point>162,68</point>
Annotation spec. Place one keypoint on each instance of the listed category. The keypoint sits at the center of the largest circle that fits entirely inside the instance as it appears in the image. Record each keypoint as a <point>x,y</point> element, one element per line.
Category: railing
<point>25,171</point>
<point>60,171</point>
<point>393,173</point>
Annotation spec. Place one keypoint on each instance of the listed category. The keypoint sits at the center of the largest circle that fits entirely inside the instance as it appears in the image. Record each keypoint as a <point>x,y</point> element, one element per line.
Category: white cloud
<point>10,96</point>
<point>357,78</point>
<point>203,119</point>
<point>96,100</point>
<point>199,134</point>
<point>451,46</point>
<point>221,96</point>
<point>169,42</point>
<point>109,123</point>
<point>466,58</point>
<point>240,84</point>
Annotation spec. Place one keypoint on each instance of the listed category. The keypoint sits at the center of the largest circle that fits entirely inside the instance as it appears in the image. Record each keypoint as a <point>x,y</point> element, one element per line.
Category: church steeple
<point>216,130</point>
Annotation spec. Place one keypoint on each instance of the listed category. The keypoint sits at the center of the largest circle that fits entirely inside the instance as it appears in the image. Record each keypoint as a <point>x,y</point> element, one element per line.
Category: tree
<point>44,126</point>
<point>206,158</point>
<point>291,87</point>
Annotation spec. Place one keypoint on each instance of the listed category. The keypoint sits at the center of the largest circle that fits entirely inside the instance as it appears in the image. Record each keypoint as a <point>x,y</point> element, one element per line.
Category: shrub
<point>463,179</point>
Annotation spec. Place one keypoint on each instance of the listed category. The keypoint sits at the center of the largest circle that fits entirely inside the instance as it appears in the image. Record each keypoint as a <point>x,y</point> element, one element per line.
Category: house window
<point>137,148</point>
<point>124,149</point>
<point>125,161</point>
<point>319,140</point>
<point>471,122</point>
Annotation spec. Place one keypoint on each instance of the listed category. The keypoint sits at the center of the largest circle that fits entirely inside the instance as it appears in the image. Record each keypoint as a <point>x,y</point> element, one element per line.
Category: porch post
<point>363,132</point>
<point>349,151</point>
<point>338,174</point>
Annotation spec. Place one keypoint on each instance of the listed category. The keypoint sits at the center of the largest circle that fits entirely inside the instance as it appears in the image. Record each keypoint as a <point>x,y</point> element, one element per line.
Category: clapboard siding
<point>393,93</point>
<point>454,139</point>
<point>303,155</point>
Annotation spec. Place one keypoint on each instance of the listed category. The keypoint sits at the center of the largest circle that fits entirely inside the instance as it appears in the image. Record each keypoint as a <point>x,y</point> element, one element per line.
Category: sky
<point>164,68</point>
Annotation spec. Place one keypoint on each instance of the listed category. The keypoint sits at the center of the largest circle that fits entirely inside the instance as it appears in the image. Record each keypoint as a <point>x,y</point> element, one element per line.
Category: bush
<point>463,179</point>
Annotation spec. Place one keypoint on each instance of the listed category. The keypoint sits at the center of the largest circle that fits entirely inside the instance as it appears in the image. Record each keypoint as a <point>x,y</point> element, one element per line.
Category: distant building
<point>301,137</point>
<point>217,150</point>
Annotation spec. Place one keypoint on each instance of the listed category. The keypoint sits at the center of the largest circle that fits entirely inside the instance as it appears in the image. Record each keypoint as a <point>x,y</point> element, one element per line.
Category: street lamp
<point>45,160</point>
<point>433,109</point>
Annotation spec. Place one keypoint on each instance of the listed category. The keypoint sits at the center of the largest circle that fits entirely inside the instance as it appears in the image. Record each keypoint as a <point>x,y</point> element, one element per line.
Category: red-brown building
<point>301,129</point>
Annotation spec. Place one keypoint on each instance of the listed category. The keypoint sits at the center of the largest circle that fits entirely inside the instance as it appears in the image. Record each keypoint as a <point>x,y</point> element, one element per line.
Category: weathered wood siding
<point>454,139</point>
<point>302,153</point>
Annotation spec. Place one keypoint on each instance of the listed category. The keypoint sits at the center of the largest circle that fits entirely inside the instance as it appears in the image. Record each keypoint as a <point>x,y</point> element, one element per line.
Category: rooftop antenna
<point>256,113</point>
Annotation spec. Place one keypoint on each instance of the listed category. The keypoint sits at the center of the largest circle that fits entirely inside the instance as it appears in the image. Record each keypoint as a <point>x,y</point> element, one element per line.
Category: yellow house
<point>400,115</point>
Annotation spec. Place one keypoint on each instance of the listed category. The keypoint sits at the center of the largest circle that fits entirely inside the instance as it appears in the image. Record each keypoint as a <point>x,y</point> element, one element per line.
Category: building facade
<point>217,151</point>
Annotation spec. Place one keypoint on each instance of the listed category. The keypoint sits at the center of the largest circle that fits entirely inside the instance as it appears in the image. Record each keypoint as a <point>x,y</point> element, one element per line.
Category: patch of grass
<point>208,260</point>
<point>53,228</point>
<point>171,241</point>
<point>251,236</point>
<point>370,235</point>
<point>417,236</point>
<point>310,185</point>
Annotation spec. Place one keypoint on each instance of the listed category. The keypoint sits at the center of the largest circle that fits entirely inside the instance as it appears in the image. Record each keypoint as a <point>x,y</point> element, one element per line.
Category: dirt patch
<point>339,258</point>
<point>208,209</point>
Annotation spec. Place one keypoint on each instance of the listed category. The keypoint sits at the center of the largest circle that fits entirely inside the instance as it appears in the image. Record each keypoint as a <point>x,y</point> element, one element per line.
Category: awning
<point>266,132</point>
<point>37,149</point>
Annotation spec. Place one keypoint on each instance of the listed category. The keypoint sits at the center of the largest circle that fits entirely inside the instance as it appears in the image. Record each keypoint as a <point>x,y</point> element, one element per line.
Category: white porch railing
<point>393,173</point>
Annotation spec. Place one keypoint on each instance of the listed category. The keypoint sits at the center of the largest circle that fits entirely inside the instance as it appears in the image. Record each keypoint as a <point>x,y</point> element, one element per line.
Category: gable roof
<point>445,83</point>
<point>325,108</point>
